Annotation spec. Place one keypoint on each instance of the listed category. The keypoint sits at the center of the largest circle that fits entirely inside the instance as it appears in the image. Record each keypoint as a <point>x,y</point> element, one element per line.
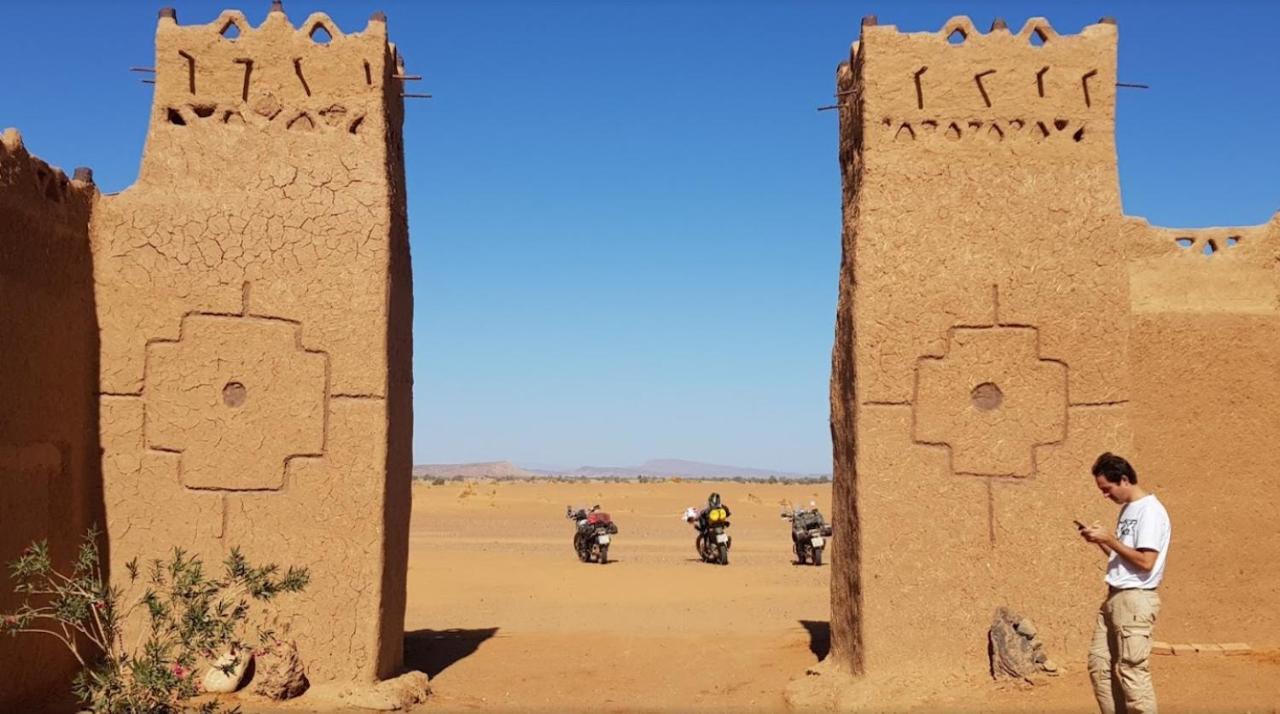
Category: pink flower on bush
<point>179,671</point>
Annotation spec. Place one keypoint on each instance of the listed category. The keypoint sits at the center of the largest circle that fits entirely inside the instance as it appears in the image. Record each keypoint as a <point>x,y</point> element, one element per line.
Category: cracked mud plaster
<point>253,278</point>
<point>48,393</point>
<point>986,253</point>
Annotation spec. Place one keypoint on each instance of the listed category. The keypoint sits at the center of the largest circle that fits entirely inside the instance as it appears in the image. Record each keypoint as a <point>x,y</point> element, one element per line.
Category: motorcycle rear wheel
<point>604,554</point>
<point>817,557</point>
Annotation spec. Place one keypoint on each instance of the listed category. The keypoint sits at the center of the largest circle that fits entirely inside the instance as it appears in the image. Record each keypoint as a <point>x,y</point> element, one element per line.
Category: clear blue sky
<point>626,215</point>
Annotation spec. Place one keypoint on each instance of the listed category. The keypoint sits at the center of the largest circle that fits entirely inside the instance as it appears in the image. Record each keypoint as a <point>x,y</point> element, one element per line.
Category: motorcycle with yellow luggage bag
<point>712,523</point>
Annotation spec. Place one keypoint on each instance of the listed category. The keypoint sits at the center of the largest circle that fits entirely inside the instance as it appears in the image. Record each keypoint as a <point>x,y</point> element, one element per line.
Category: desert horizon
<point>652,468</point>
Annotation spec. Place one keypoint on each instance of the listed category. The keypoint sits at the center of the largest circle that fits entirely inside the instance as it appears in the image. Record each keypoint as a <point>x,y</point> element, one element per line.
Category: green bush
<point>193,618</point>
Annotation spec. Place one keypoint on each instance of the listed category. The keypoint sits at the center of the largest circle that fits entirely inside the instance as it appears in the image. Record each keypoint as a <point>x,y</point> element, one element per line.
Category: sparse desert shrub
<point>192,619</point>
<point>438,482</point>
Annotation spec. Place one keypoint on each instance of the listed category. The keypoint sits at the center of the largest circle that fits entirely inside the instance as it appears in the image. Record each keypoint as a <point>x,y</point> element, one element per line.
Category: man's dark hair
<point>1114,468</point>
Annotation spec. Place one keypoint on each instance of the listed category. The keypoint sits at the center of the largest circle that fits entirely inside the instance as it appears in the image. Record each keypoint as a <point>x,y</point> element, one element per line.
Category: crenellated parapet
<point>34,184</point>
<point>1219,270</point>
<point>274,77</point>
<point>959,84</point>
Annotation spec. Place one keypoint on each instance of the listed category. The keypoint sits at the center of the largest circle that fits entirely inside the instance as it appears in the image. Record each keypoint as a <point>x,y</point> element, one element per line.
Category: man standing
<point>1136,557</point>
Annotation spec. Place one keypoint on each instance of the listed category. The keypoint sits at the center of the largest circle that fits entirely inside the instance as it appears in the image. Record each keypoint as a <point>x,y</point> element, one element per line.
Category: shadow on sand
<point>433,651</point>
<point>819,637</point>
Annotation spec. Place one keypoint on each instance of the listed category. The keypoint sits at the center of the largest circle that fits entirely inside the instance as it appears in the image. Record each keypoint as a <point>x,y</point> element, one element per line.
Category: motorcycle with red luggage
<point>593,534</point>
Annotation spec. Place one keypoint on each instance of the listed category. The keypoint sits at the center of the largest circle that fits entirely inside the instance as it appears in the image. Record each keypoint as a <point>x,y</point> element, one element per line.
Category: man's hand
<point>1106,541</point>
<point>1098,535</point>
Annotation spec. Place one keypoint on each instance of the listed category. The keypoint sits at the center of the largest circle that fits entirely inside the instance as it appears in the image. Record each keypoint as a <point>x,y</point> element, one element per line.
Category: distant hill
<point>654,467</point>
<point>688,469</point>
<point>492,469</point>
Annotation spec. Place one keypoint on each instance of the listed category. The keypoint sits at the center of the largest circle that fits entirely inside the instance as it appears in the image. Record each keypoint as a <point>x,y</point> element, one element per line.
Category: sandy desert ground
<point>504,617</point>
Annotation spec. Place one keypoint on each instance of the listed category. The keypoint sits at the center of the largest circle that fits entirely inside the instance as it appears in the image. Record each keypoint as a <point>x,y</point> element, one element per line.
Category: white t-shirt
<point>1143,525</point>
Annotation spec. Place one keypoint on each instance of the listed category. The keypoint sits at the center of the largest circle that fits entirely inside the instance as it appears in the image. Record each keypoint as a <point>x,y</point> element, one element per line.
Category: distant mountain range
<point>652,467</point>
<point>492,469</point>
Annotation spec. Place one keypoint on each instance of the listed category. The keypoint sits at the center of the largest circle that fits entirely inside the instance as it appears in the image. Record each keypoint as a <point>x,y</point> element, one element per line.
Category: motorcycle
<point>712,542</point>
<point>594,532</point>
<point>809,534</point>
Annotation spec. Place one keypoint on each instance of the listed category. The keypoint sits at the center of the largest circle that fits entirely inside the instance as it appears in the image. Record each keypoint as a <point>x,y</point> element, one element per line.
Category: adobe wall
<point>1000,323</point>
<point>255,306</point>
<point>49,474</point>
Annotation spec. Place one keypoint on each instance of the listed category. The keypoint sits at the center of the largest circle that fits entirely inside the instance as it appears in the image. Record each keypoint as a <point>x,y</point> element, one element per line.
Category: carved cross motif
<point>237,397</point>
<point>992,400</point>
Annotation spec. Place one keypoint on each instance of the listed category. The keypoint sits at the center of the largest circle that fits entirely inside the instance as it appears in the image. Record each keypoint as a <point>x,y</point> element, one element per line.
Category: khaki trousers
<point>1119,652</point>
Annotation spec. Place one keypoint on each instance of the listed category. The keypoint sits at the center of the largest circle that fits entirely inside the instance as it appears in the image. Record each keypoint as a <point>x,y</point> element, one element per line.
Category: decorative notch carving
<point>958,30</point>
<point>1041,130</point>
<point>248,73</point>
<point>321,29</point>
<point>233,26</point>
<point>302,122</point>
<point>1207,246</point>
<point>977,78</point>
<point>191,70</point>
<point>1084,84</point>
<point>1037,32</point>
<point>297,69</point>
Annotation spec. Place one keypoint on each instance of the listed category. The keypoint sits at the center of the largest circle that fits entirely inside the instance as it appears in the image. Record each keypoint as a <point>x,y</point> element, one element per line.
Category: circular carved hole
<point>987,396</point>
<point>234,394</point>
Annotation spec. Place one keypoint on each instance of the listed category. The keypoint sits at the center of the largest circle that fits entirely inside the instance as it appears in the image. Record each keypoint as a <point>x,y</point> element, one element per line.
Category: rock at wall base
<point>279,673</point>
<point>1015,648</point>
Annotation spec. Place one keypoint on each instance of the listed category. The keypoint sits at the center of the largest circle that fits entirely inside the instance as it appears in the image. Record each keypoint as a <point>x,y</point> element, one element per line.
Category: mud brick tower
<point>1000,324</point>
<point>254,306</point>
